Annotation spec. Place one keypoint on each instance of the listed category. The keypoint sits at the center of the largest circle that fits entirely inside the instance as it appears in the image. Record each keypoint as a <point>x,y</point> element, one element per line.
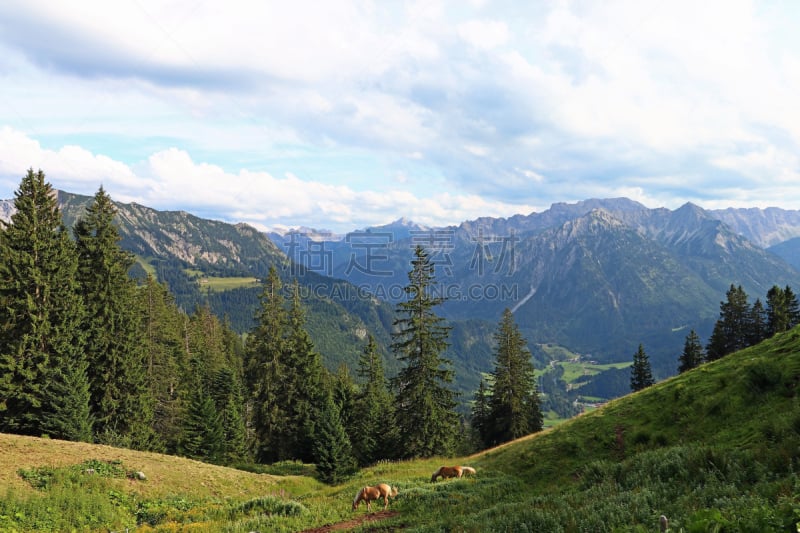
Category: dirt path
<point>355,522</point>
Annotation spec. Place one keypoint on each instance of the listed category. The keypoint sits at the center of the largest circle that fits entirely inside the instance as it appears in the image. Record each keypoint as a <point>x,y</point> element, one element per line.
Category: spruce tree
<point>204,433</point>
<point>480,415</point>
<point>513,402</point>
<point>304,383</point>
<point>692,355</point>
<point>69,416</point>
<point>731,331</point>
<point>782,310</point>
<point>166,361</point>
<point>374,432</point>
<point>792,307</point>
<point>641,373</point>
<point>332,449</point>
<point>266,372</point>
<point>226,393</point>
<point>121,400</point>
<point>425,405</point>
<point>41,345</point>
<point>345,395</point>
<point>756,324</point>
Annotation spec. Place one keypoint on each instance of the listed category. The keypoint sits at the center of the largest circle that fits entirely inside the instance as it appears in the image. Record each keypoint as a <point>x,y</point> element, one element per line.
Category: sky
<point>340,115</point>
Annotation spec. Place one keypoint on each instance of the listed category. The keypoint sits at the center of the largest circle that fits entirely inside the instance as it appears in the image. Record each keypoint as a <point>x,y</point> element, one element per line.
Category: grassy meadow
<point>715,450</point>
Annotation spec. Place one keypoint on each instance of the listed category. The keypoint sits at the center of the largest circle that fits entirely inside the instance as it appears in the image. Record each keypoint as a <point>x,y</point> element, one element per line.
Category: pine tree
<point>782,310</point>
<point>166,361</point>
<point>792,307</point>
<point>480,415</point>
<point>374,432</point>
<point>226,392</point>
<point>641,374</point>
<point>332,449</point>
<point>304,373</point>
<point>204,433</point>
<point>756,324</point>
<point>266,372</point>
<point>777,311</point>
<point>731,331</point>
<point>513,401</point>
<point>692,355</point>
<point>345,395</point>
<point>121,401</point>
<point>69,417</point>
<point>425,405</point>
<point>40,311</point>
<point>207,341</point>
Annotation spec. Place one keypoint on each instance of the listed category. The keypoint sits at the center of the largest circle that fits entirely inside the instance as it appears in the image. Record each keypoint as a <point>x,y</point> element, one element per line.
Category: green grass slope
<point>715,449</point>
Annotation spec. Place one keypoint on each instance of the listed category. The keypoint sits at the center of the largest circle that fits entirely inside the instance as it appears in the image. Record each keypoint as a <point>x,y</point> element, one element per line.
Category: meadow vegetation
<point>714,449</point>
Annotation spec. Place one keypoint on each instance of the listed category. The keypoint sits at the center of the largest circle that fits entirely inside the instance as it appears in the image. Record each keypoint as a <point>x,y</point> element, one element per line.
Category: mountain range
<point>597,277</point>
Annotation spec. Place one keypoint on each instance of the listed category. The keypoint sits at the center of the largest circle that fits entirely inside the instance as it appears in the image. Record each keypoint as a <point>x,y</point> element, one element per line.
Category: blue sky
<point>344,114</point>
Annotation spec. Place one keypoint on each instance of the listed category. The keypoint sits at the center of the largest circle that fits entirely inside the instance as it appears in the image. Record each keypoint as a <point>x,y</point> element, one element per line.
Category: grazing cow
<point>369,494</point>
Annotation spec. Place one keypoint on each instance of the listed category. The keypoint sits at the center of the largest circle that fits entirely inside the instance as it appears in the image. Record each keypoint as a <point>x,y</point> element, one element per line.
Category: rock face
<point>6,210</point>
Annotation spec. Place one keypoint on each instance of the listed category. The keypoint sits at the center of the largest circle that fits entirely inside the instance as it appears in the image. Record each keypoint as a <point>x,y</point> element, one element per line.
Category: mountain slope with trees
<point>713,449</point>
<point>597,277</point>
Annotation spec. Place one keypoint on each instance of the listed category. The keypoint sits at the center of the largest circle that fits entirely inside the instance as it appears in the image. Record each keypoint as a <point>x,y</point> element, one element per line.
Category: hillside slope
<point>714,449</point>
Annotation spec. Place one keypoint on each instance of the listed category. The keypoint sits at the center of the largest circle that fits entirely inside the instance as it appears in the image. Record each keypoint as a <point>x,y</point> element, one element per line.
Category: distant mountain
<point>597,277</point>
<point>789,251</point>
<point>765,227</point>
<point>6,210</point>
<point>213,247</point>
<point>183,251</point>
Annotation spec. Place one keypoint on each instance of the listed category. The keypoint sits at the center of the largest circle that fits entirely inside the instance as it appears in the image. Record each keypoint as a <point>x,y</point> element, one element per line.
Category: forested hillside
<point>597,277</point>
<point>89,353</point>
<point>714,449</point>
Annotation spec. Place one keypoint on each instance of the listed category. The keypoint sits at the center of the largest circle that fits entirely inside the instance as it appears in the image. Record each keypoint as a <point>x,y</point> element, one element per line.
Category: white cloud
<point>77,169</point>
<point>662,101</point>
<point>259,198</point>
<point>484,34</point>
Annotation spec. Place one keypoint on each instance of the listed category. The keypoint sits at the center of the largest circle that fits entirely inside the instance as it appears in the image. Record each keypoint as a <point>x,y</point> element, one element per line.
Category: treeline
<point>741,324</point>
<point>90,353</point>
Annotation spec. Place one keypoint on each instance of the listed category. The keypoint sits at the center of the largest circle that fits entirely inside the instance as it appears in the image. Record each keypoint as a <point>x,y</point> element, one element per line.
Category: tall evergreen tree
<point>480,415</point>
<point>731,331</point>
<point>513,402</point>
<point>641,373</point>
<point>266,371</point>
<point>304,393</point>
<point>756,324</point>
<point>69,417</point>
<point>204,434</point>
<point>425,405</point>
<point>782,310</point>
<point>166,361</point>
<point>332,449</point>
<point>121,401</point>
<point>792,307</point>
<point>345,395</point>
<point>777,311</point>
<point>374,431</point>
<point>40,316</point>
<point>692,355</point>
<point>226,392</point>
